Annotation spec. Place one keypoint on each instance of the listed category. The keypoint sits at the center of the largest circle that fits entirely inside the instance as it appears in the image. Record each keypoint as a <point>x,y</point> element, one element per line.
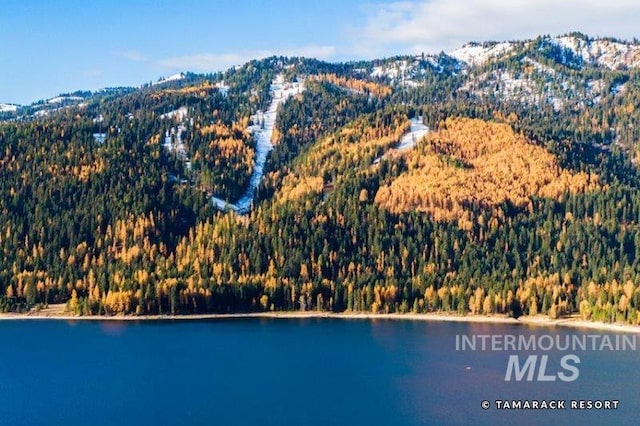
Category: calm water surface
<point>286,372</point>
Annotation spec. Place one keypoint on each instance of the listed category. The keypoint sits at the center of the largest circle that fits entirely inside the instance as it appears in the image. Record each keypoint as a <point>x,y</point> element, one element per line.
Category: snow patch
<point>392,71</point>
<point>262,129</point>
<point>611,54</point>
<point>173,141</point>
<point>408,141</point>
<point>619,88</point>
<point>8,108</point>
<point>542,69</point>
<point>416,132</point>
<point>476,54</point>
<point>595,89</point>
<point>100,137</point>
<point>174,77</point>
<point>61,99</point>
<point>404,72</point>
<point>222,88</point>
<point>179,114</point>
<point>507,85</point>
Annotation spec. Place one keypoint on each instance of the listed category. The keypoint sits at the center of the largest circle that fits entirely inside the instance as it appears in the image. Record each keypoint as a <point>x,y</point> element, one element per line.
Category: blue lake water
<point>286,372</point>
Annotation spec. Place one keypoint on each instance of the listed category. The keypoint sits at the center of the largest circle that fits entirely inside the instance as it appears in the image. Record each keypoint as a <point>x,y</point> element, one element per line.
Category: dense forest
<point>508,206</point>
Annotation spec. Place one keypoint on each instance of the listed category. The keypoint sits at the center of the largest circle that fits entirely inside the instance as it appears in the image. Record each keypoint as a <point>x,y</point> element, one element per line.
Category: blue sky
<point>49,47</point>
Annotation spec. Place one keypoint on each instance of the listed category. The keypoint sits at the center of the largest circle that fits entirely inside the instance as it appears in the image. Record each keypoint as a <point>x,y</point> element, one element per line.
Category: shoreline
<point>56,312</point>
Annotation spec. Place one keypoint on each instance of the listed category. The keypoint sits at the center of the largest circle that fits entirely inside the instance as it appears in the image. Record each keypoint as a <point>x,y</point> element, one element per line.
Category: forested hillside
<point>522,198</point>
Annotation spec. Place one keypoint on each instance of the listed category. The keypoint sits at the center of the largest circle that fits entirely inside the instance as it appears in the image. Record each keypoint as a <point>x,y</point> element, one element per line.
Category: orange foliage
<point>353,146</point>
<point>219,130</point>
<point>474,161</point>
<point>201,90</point>
<point>298,187</point>
<point>360,86</point>
<point>81,171</point>
<point>229,146</point>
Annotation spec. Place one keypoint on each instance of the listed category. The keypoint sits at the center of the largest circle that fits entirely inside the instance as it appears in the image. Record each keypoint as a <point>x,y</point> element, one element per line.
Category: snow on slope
<point>602,52</point>
<point>540,68</point>
<point>410,72</point>
<point>179,113</point>
<point>393,70</point>
<point>408,141</point>
<point>504,84</point>
<point>402,72</point>
<point>476,54</point>
<point>61,99</point>
<point>619,88</point>
<point>173,141</point>
<point>417,131</point>
<point>611,54</point>
<point>536,82</point>
<point>8,108</point>
<point>174,77</point>
<point>262,130</point>
<point>223,88</point>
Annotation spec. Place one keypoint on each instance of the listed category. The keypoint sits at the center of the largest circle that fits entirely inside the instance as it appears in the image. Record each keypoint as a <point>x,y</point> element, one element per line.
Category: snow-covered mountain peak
<point>64,99</point>
<point>604,52</point>
<point>175,77</point>
<point>409,71</point>
<point>476,54</point>
<point>8,107</point>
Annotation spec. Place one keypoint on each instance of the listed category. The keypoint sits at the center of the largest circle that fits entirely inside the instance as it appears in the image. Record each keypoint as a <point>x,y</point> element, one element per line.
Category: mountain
<point>8,108</point>
<point>533,71</point>
<point>570,49</point>
<point>173,77</point>
<point>562,71</point>
<point>474,54</point>
<point>500,177</point>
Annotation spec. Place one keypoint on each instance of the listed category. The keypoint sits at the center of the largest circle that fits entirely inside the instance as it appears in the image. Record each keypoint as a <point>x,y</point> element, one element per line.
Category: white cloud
<point>217,62</point>
<point>432,26</point>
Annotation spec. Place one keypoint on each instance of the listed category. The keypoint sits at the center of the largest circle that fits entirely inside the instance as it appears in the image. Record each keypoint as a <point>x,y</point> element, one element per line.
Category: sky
<point>48,47</point>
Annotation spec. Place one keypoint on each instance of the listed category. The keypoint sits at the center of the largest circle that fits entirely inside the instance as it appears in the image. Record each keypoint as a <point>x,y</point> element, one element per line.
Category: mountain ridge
<point>609,52</point>
<point>414,183</point>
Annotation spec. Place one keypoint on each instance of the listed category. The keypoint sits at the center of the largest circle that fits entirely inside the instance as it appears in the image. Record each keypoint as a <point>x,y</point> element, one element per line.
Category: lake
<point>289,372</point>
